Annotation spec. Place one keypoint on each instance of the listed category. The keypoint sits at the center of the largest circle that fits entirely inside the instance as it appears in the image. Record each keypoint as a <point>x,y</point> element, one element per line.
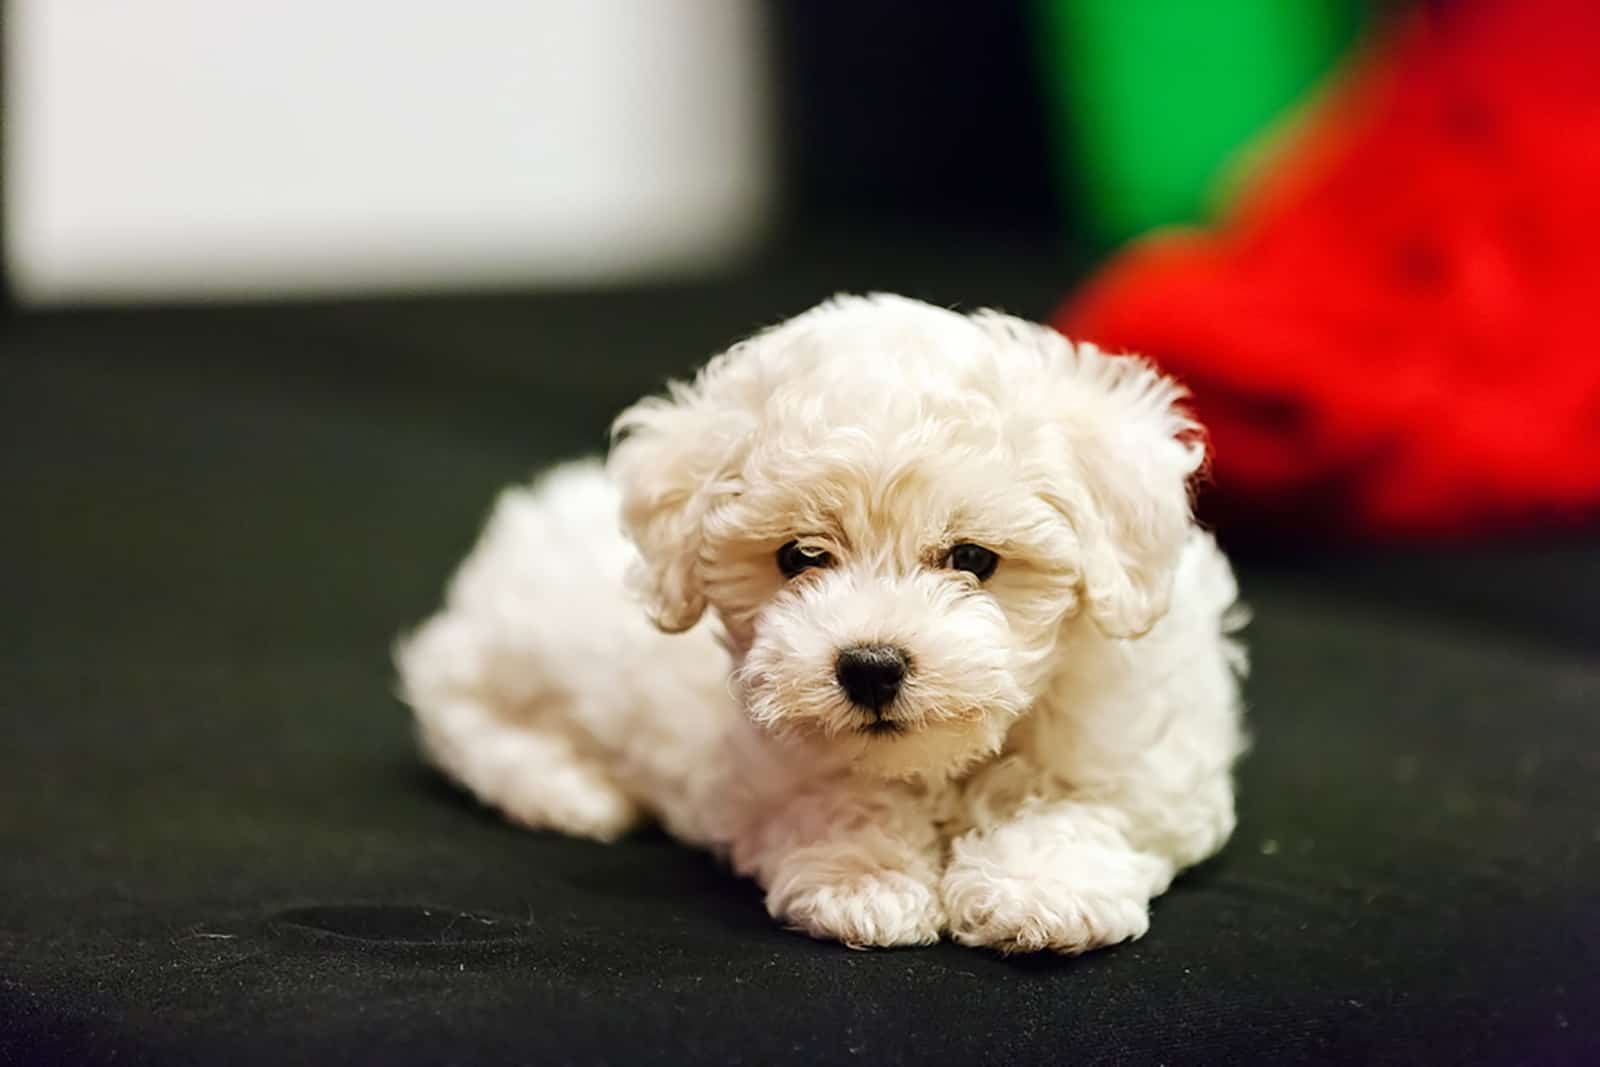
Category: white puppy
<point>969,670</point>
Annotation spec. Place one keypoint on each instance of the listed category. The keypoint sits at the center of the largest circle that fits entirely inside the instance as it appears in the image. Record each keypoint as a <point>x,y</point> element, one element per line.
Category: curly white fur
<point>1062,744</point>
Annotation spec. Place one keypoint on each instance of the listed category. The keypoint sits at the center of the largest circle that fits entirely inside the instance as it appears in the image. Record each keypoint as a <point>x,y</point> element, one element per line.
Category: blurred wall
<point>169,149</point>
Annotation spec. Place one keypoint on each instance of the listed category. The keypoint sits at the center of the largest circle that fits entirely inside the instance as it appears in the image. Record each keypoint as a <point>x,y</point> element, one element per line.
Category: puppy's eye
<point>974,559</point>
<point>794,558</point>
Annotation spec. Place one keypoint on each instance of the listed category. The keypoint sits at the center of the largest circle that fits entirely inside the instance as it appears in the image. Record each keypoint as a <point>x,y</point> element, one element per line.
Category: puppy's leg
<point>849,861</point>
<point>536,776</point>
<point>1123,782</point>
<point>1059,876</point>
<point>1071,875</point>
<point>521,753</point>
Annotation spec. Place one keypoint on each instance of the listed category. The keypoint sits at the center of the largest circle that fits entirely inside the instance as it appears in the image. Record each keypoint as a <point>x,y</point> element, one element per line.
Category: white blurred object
<point>196,148</point>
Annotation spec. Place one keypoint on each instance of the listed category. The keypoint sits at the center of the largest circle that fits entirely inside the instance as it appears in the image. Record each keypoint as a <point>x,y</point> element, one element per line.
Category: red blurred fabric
<point>1395,333</point>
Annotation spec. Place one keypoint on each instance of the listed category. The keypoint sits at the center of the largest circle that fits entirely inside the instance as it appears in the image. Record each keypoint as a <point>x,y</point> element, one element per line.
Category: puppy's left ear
<point>1128,451</point>
<point>667,457</point>
<point>677,458</point>
<point>674,458</point>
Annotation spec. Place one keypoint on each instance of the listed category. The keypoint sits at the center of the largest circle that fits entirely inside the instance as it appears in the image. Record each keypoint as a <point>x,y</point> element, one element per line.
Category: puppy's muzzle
<point>870,675</point>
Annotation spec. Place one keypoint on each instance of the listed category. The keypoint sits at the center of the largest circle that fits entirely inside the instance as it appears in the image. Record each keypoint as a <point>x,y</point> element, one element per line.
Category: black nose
<point>870,675</point>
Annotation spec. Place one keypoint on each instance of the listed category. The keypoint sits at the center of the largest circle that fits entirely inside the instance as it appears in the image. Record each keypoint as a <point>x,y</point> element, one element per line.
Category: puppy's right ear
<point>673,458</point>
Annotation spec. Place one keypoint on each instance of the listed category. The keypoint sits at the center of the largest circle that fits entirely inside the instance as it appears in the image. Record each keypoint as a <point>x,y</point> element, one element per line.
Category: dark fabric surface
<point>217,844</point>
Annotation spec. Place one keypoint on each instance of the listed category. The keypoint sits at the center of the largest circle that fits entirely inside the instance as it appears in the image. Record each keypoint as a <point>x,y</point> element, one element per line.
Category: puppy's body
<point>1061,742</point>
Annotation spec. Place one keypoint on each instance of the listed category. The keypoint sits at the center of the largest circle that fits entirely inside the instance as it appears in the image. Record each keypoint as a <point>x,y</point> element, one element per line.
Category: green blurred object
<point>1151,98</point>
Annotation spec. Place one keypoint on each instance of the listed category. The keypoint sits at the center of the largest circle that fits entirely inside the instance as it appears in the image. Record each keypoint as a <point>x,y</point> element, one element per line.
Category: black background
<point>218,844</point>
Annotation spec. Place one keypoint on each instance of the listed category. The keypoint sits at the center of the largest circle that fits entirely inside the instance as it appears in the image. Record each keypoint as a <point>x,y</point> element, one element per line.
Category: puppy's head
<point>894,509</point>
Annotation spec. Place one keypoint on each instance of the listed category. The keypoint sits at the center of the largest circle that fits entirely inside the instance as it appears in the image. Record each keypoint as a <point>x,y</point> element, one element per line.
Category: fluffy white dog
<point>970,669</point>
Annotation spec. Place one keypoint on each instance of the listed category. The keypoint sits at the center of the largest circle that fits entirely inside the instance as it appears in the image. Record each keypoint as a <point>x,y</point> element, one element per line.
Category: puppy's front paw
<point>1012,915</point>
<point>864,909</point>
<point>1065,903</point>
